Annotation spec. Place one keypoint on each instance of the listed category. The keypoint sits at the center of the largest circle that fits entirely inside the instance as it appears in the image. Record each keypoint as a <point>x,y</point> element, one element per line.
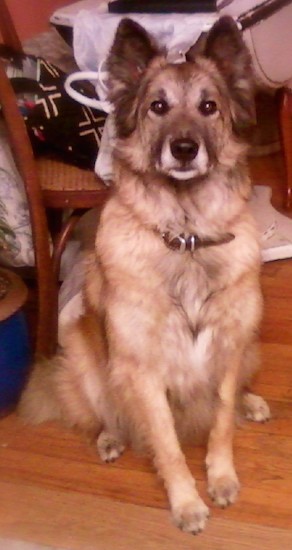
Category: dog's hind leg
<point>251,406</point>
<point>109,446</point>
<point>255,408</point>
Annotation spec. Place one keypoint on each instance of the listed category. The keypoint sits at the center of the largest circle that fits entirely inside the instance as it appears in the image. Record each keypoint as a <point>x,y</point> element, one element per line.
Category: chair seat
<point>63,183</point>
<point>52,187</point>
<point>58,176</point>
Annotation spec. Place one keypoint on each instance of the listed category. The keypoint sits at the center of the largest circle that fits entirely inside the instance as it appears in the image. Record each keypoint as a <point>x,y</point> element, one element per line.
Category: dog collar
<point>190,243</point>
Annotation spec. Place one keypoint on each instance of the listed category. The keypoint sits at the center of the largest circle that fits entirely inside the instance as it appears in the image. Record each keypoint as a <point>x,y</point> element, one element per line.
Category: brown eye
<point>208,108</point>
<point>159,107</point>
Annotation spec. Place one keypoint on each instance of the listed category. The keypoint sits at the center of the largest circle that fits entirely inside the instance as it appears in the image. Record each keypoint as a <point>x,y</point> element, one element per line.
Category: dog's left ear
<point>131,52</point>
<point>225,46</point>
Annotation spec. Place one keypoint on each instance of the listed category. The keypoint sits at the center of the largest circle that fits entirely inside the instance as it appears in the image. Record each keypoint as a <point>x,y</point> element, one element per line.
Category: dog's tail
<point>39,401</point>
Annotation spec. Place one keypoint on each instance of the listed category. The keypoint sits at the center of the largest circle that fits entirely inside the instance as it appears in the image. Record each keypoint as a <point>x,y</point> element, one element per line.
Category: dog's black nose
<point>184,149</point>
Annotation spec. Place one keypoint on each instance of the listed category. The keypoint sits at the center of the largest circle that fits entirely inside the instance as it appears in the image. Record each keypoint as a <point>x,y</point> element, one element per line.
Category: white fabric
<point>66,15</point>
<point>70,295</point>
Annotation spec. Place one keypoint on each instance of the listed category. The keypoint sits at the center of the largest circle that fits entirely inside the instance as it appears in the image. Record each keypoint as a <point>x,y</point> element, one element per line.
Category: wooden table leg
<point>286,134</point>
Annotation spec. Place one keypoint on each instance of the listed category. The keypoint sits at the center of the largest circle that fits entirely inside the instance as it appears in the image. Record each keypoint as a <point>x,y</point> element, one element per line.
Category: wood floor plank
<point>263,457</point>
<point>84,522</point>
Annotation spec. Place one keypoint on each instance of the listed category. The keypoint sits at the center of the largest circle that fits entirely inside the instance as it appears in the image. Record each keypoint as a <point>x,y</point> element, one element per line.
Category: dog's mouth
<point>183,159</point>
<point>183,174</point>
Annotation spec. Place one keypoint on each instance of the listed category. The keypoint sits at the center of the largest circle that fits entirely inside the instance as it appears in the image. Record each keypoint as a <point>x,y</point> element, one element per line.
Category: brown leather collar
<point>190,243</point>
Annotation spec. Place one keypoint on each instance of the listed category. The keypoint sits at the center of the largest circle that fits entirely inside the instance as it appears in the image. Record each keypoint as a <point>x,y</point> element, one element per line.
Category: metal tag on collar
<point>191,243</point>
<point>178,243</point>
<point>183,243</point>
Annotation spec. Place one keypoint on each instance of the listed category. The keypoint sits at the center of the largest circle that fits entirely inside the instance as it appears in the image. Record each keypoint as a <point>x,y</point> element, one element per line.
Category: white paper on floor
<point>275,228</point>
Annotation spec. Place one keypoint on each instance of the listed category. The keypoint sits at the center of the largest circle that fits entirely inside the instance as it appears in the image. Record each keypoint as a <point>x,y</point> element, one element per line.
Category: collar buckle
<point>182,243</point>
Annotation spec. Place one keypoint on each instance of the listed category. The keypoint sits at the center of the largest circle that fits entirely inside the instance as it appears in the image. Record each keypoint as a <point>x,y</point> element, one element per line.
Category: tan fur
<point>167,345</point>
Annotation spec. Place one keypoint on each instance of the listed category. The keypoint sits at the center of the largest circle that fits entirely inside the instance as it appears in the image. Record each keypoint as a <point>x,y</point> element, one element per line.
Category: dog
<point>168,343</point>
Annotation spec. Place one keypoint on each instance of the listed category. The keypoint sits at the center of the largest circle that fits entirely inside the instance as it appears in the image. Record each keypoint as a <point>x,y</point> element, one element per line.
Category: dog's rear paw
<point>109,447</point>
<point>192,516</point>
<point>223,490</point>
<point>255,408</point>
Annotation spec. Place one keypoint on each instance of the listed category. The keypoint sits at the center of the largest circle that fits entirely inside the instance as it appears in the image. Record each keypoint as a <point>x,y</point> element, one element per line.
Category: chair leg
<point>47,327</point>
<point>286,134</point>
<point>48,297</point>
<point>47,290</point>
<point>62,239</point>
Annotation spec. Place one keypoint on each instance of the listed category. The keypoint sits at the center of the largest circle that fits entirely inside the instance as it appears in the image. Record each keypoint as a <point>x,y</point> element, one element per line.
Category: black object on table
<point>162,6</point>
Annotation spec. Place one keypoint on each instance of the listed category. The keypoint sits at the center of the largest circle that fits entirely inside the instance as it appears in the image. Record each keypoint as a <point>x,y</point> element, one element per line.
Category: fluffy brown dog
<point>167,346</point>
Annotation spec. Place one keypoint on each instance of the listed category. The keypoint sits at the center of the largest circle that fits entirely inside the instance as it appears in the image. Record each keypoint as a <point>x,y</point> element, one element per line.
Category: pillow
<point>16,247</point>
<point>58,126</point>
<point>56,123</point>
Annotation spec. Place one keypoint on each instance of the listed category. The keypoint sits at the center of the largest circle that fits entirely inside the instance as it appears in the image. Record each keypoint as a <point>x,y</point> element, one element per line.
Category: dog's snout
<point>184,149</point>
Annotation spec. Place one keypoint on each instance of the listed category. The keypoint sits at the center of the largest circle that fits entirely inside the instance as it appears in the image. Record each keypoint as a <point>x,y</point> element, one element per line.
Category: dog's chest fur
<point>189,338</point>
<point>177,293</point>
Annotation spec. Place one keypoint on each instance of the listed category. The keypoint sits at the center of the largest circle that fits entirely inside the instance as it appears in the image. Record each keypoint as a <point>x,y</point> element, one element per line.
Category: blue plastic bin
<point>15,356</point>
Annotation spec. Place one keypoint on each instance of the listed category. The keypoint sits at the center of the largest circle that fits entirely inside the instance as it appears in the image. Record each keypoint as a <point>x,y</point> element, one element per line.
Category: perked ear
<point>225,46</point>
<point>131,53</point>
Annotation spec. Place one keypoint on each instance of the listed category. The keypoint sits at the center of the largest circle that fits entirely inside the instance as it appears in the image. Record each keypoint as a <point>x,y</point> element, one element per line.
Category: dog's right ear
<point>131,53</point>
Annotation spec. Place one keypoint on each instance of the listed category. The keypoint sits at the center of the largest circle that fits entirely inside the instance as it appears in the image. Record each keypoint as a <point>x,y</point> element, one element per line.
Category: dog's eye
<point>208,107</point>
<point>159,107</point>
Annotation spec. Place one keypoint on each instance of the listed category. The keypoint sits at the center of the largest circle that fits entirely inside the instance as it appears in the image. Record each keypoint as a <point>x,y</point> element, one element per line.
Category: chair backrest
<point>24,160</point>
<point>7,28</point>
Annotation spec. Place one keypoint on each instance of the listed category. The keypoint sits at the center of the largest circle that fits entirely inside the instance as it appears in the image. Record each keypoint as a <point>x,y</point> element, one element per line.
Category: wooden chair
<point>286,134</point>
<point>51,187</point>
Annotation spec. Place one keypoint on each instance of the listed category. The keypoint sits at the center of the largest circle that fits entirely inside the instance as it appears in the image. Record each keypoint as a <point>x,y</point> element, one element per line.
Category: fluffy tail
<point>39,402</point>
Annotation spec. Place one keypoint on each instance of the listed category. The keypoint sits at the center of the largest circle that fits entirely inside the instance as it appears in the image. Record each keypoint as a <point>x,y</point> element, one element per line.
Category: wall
<point>32,16</point>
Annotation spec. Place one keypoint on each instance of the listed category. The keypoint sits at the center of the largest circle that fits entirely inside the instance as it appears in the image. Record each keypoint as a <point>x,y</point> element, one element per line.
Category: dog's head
<point>179,120</point>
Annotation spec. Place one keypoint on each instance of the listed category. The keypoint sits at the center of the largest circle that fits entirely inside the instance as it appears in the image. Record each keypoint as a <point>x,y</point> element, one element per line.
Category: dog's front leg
<point>223,484</point>
<point>155,421</point>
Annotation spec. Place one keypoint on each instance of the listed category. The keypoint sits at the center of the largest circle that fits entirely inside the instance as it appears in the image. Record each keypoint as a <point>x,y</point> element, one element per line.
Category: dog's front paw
<point>109,447</point>
<point>192,516</point>
<point>223,489</point>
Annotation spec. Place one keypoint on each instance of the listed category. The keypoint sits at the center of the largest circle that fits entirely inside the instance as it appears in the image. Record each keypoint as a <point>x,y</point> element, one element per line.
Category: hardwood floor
<point>56,492</point>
